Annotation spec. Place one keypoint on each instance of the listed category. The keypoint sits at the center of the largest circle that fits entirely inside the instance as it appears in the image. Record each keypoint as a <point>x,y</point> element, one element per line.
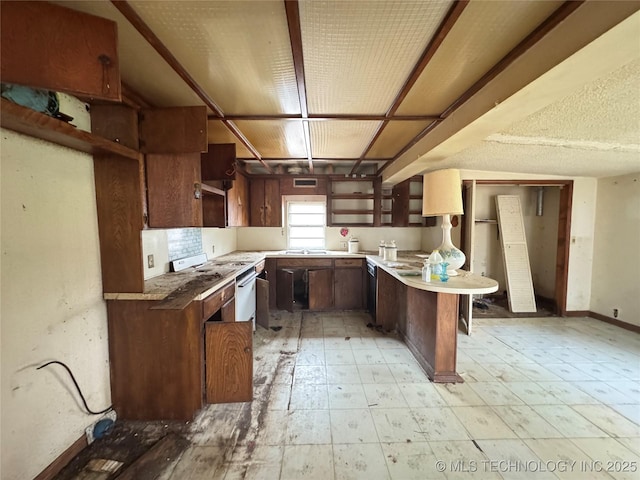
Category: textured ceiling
<point>594,132</point>
<point>376,86</point>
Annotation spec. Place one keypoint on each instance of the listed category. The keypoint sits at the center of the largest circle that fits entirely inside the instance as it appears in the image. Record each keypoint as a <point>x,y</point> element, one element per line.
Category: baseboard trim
<point>63,460</point>
<point>615,321</point>
<point>577,313</point>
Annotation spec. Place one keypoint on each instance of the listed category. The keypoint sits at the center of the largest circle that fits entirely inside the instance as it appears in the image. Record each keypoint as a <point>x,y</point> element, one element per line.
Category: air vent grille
<point>305,182</point>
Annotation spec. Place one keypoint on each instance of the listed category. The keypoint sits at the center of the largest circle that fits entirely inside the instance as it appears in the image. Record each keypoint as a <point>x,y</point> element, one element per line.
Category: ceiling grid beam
<point>132,17</point>
<point>562,12</point>
<point>441,33</point>
<point>295,36</point>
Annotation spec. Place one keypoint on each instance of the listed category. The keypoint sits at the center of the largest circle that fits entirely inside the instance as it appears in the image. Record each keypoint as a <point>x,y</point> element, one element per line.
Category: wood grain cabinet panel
<point>173,130</point>
<point>229,362</point>
<point>265,202</point>
<point>320,289</point>
<point>173,182</point>
<point>219,162</point>
<point>237,196</point>
<point>155,360</point>
<point>51,47</point>
<point>349,291</point>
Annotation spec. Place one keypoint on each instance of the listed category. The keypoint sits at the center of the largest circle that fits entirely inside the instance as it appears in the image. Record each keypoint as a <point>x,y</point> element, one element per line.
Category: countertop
<point>464,283</point>
<point>175,290</point>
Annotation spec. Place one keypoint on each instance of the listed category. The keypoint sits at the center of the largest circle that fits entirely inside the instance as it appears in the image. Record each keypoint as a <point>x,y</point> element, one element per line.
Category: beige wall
<point>51,302</point>
<point>275,238</point>
<point>616,257</point>
<point>541,233</point>
<point>155,242</point>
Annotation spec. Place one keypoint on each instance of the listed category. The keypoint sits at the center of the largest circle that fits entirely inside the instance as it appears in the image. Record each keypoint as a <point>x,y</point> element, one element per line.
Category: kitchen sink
<point>305,252</point>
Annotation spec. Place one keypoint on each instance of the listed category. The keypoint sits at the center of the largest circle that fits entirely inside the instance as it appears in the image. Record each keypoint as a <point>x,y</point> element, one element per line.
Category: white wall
<point>616,259</point>
<point>583,217</point>
<point>51,302</point>
<point>541,233</point>
<point>275,238</point>
<point>155,242</point>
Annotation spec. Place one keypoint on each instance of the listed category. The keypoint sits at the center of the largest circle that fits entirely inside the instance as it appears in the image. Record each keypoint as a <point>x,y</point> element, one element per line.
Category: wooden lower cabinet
<point>320,289</point>
<point>427,321</point>
<point>165,363</point>
<point>349,284</point>
<point>155,360</point>
<point>330,284</point>
<point>229,362</point>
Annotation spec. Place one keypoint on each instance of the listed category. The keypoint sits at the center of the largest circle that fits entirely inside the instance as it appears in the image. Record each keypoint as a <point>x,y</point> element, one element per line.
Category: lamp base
<point>450,253</point>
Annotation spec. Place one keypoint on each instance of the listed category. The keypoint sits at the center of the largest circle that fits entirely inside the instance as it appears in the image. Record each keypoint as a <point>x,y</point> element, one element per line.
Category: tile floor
<point>542,398</point>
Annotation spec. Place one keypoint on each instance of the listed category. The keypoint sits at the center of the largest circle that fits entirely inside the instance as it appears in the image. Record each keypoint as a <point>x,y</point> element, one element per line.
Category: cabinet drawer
<point>348,262</point>
<point>304,262</point>
<point>216,300</point>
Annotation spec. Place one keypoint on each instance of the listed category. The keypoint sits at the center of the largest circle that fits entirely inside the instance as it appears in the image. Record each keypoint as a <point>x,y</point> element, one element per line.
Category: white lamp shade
<point>442,193</point>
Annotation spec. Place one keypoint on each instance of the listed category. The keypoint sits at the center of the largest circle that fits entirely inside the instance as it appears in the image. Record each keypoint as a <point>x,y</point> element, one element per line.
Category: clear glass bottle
<point>426,271</point>
<point>435,259</point>
<point>381,249</point>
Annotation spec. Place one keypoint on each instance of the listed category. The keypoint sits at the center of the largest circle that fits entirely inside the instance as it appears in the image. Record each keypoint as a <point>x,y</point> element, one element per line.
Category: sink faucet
<point>305,252</point>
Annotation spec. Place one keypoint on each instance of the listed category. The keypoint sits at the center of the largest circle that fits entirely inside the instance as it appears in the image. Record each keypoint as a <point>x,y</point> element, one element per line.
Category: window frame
<point>298,199</point>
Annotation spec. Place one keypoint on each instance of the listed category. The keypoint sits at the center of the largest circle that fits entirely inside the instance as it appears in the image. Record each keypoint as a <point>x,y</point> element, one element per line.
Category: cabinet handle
<point>197,191</point>
<point>247,349</point>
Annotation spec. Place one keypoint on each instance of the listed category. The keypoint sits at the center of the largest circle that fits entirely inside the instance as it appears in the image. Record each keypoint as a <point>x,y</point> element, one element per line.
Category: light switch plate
<point>150,261</point>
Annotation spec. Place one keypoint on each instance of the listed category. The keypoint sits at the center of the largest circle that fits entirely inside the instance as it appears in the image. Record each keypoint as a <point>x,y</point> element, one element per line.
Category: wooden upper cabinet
<point>238,202</point>
<point>219,162</point>
<point>400,207</point>
<point>173,190</point>
<point>173,130</point>
<point>266,203</point>
<point>55,48</point>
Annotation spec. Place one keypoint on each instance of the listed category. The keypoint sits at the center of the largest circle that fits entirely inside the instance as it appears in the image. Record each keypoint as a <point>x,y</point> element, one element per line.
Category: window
<point>306,223</point>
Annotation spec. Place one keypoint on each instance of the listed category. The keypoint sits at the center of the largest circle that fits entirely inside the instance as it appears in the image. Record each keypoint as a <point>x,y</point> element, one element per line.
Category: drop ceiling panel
<point>239,52</point>
<point>141,67</point>
<point>275,138</point>
<point>217,132</point>
<point>358,54</point>
<point>484,33</point>
<point>395,136</point>
<point>340,138</point>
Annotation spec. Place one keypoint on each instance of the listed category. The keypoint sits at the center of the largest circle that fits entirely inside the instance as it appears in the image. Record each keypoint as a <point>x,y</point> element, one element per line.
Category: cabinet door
<point>173,189</point>
<point>56,48</point>
<point>238,202</point>
<point>321,289</point>
<point>218,162</point>
<point>256,198</point>
<point>284,292</point>
<point>229,362</point>
<point>272,204</point>
<point>348,288</point>
<point>173,130</point>
<point>400,207</point>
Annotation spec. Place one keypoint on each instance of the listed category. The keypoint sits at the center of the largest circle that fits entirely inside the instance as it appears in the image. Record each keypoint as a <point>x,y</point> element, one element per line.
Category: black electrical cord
<point>78,388</point>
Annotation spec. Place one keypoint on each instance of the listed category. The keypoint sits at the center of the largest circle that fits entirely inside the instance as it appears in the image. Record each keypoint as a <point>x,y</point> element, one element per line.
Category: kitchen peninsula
<point>176,345</point>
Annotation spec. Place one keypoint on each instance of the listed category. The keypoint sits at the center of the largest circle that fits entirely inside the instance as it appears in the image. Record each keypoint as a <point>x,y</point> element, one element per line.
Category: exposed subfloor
<point>542,398</point>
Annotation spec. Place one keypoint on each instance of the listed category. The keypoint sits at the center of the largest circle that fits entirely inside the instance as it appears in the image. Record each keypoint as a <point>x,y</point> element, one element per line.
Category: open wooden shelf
<point>35,124</point>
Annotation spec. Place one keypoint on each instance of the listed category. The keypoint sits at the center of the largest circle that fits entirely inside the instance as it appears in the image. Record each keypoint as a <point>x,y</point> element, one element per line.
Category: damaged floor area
<point>335,398</point>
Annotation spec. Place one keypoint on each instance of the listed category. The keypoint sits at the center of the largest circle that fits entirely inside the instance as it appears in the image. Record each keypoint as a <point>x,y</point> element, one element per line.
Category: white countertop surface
<point>464,283</point>
<point>176,288</point>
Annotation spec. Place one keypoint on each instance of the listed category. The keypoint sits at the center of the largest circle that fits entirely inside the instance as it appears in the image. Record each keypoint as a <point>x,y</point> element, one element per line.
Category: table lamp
<point>442,195</point>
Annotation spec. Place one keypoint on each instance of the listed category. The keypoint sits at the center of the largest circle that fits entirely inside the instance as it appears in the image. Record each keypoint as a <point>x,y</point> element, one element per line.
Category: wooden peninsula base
<point>425,315</point>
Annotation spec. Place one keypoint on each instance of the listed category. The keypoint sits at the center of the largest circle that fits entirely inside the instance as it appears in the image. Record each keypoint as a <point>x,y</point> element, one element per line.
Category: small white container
<point>381,249</point>
<point>354,245</point>
<point>391,252</point>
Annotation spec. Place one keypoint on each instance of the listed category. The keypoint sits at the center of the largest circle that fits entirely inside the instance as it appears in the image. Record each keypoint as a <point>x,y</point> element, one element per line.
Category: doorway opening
<point>546,206</point>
